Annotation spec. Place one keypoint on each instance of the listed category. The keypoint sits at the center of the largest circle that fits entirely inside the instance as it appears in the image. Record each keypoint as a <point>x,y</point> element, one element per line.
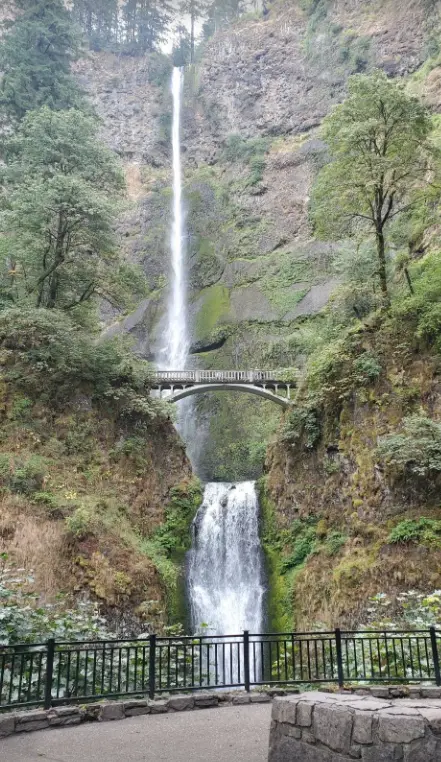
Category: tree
<point>381,161</point>
<point>99,21</point>
<point>36,55</point>
<point>146,24</point>
<point>222,12</point>
<point>60,186</point>
<point>182,48</point>
<point>196,9</point>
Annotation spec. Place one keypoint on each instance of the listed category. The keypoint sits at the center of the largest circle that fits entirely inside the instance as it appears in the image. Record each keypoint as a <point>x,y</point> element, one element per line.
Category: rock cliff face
<point>253,104</point>
<point>83,498</point>
<point>336,498</point>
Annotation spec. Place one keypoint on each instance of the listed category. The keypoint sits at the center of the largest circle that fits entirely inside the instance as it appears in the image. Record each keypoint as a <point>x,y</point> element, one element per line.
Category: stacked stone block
<point>321,727</point>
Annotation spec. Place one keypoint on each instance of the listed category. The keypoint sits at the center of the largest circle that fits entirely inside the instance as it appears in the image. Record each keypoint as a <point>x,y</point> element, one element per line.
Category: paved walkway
<point>230,734</point>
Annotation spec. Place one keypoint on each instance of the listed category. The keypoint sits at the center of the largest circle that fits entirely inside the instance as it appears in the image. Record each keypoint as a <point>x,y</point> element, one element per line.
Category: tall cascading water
<point>225,577</point>
<point>175,352</point>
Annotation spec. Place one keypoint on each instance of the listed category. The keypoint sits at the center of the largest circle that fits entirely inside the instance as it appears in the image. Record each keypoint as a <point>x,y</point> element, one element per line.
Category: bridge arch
<point>260,391</point>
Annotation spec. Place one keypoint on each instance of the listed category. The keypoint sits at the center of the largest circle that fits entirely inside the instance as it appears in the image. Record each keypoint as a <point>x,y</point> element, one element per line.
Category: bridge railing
<point>67,672</point>
<point>212,376</point>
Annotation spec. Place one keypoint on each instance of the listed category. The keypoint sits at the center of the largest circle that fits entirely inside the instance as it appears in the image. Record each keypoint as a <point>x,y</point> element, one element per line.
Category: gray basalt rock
<point>181,703</point>
<point>400,728</point>
<point>333,727</point>
<point>112,712</point>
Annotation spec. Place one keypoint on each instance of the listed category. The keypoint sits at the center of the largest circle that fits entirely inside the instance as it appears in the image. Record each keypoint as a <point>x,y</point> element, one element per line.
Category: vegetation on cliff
<point>94,481</point>
<point>359,510</point>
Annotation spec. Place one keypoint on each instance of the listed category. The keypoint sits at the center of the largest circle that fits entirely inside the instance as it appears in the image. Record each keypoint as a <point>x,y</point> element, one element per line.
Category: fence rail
<point>214,376</point>
<point>62,672</point>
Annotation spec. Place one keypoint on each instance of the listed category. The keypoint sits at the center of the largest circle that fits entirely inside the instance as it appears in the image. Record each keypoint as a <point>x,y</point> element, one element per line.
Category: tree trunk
<point>382,270</point>
<point>192,42</point>
<point>409,281</point>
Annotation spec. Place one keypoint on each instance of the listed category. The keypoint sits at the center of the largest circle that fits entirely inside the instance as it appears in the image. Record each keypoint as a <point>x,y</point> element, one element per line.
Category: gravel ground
<point>230,734</point>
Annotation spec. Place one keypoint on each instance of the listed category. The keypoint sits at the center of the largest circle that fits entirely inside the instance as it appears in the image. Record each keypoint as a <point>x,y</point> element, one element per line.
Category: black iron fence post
<point>246,659</point>
<point>338,647</point>
<point>152,666</point>
<point>435,655</point>
<point>49,673</point>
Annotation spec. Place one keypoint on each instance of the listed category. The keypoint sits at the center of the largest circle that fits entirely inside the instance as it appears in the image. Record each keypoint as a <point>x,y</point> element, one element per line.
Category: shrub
<point>303,424</point>
<point>24,620</point>
<point>81,523</point>
<point>415,452</point>
<point>424,531</point>
<point>304,537</point>
<point>366,369</point>
<point>334,543</point>
<point>22,476</point>
<point>49,358</point>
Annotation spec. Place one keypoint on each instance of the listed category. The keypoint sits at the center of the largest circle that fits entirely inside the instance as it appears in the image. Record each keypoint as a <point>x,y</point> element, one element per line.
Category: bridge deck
<point>171,378</point>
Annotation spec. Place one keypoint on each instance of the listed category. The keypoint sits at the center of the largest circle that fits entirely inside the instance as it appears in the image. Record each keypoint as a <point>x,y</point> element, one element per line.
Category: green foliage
<point>325,367</point>
<point>414,453</point>
<point>146,24</point>
<point>356,267</point>
<point>47,357</point>
<point>80,523</point>
<point>423,531</point>
<point>22,476</point>
<point>419,312</point>
<point>168,545</point>
<point>174,534</point>
<point>335,541</point>
<point>302,426</point>
<point>380,155</point>
<point>58,248</point>
<point>24,620</point>
<point>35,57</point>
<point>242,149</point>
<point>159,69</point>
<point>251,152</point>
<point>220,13</point>
<point>98,19</point>
<point>366,369</point>
<point>303,536</point>
<point>329,45</point>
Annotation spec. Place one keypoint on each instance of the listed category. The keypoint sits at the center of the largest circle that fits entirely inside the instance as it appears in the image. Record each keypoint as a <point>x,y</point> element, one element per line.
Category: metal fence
<point>63,672</point>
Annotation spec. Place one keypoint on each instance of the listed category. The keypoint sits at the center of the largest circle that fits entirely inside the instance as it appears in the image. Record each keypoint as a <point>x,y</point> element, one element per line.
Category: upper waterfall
<point>177,341</point>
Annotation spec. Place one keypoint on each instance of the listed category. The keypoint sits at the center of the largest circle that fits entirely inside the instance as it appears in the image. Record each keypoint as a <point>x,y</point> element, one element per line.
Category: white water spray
<point>225,572</point>
<point>177,341</point>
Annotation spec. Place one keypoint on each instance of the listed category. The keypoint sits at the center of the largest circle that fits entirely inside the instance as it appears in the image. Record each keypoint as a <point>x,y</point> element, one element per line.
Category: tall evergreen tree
<point>222,12</point>
<point>146,24</point>
<point>182,47</point>
<point>99,21</point>
<point>196,9</point>
<point>36,55</point>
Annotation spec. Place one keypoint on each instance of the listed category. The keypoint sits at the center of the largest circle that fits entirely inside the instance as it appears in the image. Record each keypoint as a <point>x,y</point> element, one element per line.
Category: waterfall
<point>225,579</point>
<point>177,345</point>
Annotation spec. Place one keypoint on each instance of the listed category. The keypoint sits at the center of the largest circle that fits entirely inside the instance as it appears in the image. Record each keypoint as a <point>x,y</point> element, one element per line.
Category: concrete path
<point>230,734</point>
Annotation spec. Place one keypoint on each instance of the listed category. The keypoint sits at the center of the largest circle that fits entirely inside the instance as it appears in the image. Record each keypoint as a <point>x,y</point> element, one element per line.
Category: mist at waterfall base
<point>225,567</point>
<point>225,574</point>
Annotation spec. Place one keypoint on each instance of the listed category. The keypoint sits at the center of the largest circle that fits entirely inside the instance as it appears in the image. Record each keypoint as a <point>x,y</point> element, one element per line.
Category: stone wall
<point>320,727</point>
<point>65,716</point>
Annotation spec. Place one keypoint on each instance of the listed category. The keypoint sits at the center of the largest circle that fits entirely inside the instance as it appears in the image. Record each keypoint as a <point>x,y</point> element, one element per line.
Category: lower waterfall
<point>226,576</point>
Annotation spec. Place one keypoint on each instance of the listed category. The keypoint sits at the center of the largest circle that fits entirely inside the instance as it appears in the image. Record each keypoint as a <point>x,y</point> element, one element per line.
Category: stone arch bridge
<point>185,383</point>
